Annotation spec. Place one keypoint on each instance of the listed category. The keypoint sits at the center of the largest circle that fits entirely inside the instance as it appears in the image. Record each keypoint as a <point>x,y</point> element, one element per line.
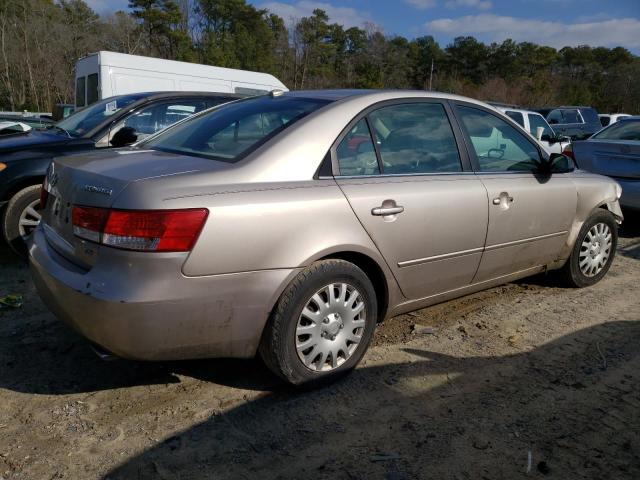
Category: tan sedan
<point>291,224</point>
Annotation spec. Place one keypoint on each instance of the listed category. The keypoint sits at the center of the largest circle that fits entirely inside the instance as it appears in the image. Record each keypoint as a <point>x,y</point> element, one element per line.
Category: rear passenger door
<point>402,169</point>
<point>530,214</point>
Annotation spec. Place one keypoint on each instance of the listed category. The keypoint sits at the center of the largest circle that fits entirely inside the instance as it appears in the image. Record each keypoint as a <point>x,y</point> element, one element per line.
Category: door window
<point>555,117</point>
<point>498,146</point>
<point>356,153</point>
<point>415,138</point>
<point>571,116</point>
<point>154,118</point>
<point>80,91</point>
<point>92,88</point>
<point>536,121</point>
<point>516,117</point>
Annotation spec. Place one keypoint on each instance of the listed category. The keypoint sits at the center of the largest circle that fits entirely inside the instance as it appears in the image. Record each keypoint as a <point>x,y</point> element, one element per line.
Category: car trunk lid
<point>612,158</point>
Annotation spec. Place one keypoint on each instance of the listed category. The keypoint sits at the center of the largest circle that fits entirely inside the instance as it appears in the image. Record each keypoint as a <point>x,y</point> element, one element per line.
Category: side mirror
<point>125,136</point>
<point>557,163</point>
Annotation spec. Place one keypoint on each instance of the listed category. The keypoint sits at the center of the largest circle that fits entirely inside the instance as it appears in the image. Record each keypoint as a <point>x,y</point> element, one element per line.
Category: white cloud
<point>421,4</point>
<point>479,4</point>
<point>346,16</point>
<point>607,33</point>
<point>108,6</point>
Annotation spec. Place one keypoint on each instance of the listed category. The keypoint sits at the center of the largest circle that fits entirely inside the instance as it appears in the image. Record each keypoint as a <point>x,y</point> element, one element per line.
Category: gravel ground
<point>523,380</point>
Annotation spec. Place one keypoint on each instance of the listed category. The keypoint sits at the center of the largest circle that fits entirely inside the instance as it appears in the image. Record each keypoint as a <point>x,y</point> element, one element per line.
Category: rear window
<point>589,115</point>
<point>516,117</point>
<point>234,130</point>
<point>621,130</point>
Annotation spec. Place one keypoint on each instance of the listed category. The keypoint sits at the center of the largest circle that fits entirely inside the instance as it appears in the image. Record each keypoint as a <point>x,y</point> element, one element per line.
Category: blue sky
<point>550,22</point>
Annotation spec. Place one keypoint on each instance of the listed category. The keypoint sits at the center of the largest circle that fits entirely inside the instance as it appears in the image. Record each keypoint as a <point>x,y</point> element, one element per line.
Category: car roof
<point>574,106</point>
<point>519,110</point>
<point>381,95</point>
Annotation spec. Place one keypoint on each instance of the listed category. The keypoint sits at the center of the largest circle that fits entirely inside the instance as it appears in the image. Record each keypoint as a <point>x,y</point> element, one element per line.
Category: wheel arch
<point>372,270</point>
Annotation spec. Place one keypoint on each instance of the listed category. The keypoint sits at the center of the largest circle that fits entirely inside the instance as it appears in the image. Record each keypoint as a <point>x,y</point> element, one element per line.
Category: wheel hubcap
<point>330,327</point>
<point>595,249</point>
<point>29,219</point>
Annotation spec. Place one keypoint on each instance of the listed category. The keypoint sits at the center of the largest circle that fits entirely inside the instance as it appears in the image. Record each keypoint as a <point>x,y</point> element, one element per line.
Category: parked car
<point>531,122</point>
<point>575,122</point>
<point>607,119</point>
<point>33,121</point>
<point>615,152</point>
<point>114,122</point>
<point>290,224</point>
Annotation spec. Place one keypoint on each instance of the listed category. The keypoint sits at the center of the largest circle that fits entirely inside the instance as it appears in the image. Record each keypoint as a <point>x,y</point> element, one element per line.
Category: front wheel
<point>322,324</point>
<point>593,251</point>
<point>21,218</point>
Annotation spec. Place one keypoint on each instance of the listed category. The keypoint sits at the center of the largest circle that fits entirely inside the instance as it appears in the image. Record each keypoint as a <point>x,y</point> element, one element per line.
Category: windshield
<point>89,118</point>
<point>232,131</point>
<point>621,130</point>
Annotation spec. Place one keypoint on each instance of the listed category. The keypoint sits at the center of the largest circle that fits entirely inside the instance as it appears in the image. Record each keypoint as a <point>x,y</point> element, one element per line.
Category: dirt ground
<point>523,380</point>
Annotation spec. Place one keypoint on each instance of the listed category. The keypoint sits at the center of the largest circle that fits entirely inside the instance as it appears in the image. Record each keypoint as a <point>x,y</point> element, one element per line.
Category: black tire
<point>570,274</point>
<point>278,345</point>
<point>11,219</point>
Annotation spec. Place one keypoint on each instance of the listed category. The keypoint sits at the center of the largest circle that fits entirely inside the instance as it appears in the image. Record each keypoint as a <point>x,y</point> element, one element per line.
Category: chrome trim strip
<point>525,240</point>
<point>435,258</point>
<point>462,253</point>
<point>398,175</point>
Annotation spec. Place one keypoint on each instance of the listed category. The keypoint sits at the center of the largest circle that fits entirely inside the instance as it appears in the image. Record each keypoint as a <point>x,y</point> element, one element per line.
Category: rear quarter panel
<point>275,227</point>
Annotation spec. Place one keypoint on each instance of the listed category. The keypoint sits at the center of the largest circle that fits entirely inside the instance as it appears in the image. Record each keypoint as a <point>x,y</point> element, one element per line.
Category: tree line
<point>40,41</point>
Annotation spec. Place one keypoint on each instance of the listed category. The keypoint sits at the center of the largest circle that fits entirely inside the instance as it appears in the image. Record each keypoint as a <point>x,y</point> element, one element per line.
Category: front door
<point>530,214</point>
<point>422,206</point>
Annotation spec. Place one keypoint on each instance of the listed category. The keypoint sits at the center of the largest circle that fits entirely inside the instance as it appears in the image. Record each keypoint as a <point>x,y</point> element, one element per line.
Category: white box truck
<point>105,74</point>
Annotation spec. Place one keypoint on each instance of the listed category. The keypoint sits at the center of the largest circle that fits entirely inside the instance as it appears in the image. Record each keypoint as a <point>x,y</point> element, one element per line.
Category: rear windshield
<point>621,130</point>
<point>234,130</point>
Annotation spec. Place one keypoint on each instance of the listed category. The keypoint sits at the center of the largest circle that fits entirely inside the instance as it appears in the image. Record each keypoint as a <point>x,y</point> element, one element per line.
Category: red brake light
<point>156,230</point>
<point>88,222</point>
<point>568,151</point>
<point>143,230</point>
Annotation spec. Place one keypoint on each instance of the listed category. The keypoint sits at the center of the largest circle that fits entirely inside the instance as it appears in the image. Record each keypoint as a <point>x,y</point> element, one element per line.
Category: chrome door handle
<point>384,211</point>
<point>503,195</point>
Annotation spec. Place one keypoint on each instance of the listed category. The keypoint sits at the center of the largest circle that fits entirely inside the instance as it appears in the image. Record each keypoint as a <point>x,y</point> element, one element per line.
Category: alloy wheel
<point>29,219</point>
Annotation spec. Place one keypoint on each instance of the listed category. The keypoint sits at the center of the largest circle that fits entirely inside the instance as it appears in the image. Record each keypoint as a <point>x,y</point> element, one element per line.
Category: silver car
<point>290,224</point>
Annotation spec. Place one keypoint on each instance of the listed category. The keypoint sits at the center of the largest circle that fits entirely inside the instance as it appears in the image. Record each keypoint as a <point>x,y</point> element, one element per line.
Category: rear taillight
<point>141,230</point>
<point>568,151</point>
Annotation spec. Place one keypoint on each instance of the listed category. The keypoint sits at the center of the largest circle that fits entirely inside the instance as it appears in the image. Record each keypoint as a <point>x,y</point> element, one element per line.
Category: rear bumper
<point>140,306</point>
<point>630,193</point>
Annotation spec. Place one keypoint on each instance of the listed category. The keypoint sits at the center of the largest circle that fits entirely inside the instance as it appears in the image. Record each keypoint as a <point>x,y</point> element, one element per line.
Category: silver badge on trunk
<point>101,190</point>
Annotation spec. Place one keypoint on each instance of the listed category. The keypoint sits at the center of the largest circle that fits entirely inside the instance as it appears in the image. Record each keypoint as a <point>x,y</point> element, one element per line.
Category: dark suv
<point>114,122</point>
<point>575,122</point>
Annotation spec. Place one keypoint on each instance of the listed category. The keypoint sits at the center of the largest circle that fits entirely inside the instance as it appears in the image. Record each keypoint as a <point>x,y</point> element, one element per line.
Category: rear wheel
<point>593,251</point>
<point>322,324</point>
<point>21,218</point>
